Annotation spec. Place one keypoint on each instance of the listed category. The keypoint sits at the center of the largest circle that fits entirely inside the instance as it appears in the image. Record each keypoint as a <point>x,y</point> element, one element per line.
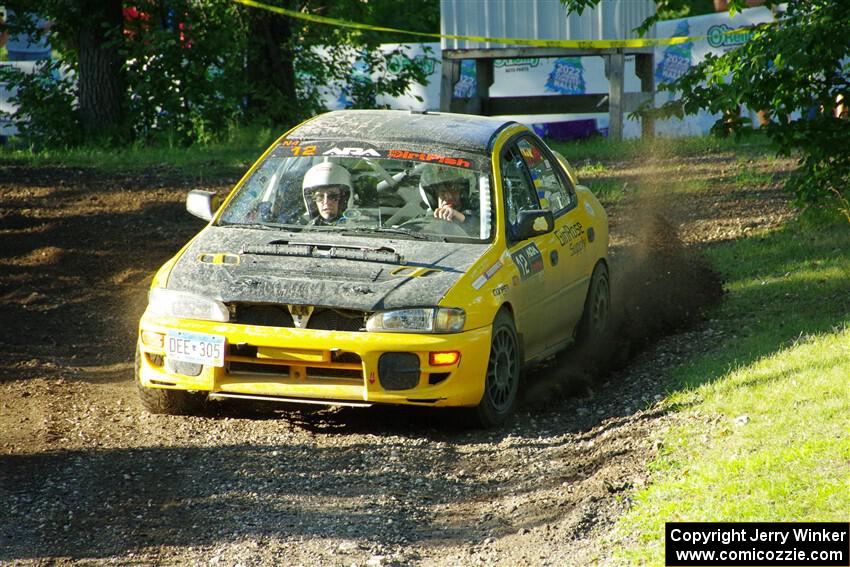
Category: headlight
<point>167,303</point>
<point>423,320</point>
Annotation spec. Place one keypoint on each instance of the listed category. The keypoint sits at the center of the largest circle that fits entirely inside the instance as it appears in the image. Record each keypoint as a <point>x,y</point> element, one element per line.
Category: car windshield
<point>352,188</point>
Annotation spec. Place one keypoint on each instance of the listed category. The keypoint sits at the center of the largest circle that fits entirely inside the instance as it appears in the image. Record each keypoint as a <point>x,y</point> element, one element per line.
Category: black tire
<point>501,383</point>
<point>168,402</point>
<point>596,319</point>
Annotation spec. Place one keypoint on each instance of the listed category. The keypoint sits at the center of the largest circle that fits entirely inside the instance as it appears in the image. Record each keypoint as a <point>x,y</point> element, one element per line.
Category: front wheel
<point>168,402</point>
<point>501,384</point>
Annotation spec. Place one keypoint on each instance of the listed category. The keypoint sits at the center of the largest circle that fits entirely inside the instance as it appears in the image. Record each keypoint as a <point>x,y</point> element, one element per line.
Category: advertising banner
<point>586,75</point>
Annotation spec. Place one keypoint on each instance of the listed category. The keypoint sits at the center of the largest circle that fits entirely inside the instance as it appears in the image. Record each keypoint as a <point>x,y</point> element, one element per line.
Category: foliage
<point>359,75</point>
<point>43,99</point>
<point>685,9</point>
<point>350,61</point>
<point>185,64</point>
<point>799,80</point>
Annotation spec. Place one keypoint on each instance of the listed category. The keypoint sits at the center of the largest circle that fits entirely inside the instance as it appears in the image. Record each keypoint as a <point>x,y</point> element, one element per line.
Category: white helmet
<point>323,175</point>
<point>434,176</point>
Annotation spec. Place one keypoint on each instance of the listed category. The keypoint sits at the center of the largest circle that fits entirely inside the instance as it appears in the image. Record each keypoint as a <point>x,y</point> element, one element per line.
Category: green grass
<point>749,177</point>
<point>763,422</point>
<point>611,189</point>
<point>230,157</point>
<point>591,169</point>
<point>608,191</point>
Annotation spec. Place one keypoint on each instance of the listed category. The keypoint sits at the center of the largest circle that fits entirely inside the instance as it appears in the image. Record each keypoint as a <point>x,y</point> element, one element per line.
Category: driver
<point>445,191</point>
<point>327,191</point>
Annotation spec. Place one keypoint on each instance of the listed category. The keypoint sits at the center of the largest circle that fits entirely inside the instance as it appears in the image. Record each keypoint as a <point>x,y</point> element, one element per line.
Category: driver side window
<point>547,184</point>
<point>519,194</point>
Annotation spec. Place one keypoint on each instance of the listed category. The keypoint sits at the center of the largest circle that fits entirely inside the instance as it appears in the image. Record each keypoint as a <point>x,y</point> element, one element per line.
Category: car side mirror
<point>534,223</point>
<point>202,204</point>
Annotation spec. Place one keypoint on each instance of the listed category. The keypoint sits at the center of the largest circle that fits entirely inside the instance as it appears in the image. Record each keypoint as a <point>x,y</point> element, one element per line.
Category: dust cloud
<point>658,287</point>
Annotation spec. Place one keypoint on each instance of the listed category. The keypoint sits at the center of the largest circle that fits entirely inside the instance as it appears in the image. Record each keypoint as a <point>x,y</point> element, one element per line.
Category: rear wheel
<point>597,308</point>
<point>503,370</point>
<point>168,402</point>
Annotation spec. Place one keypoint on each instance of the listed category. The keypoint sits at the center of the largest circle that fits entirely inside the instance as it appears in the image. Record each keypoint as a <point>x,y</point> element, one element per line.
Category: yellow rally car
<point>380,257</point>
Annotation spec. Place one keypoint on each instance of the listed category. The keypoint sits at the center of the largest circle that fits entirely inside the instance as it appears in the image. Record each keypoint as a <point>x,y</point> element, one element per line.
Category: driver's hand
<point>449,214</point>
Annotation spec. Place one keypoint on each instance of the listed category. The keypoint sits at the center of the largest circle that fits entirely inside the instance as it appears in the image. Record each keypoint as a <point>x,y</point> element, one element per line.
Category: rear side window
<point>550,188</point>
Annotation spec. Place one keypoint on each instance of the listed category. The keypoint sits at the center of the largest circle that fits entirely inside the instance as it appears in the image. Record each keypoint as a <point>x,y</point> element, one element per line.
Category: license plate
<point>195,347</point>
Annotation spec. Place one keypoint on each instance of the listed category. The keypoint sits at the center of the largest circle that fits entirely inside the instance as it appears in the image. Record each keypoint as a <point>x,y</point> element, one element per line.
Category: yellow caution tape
<point>578,44</point>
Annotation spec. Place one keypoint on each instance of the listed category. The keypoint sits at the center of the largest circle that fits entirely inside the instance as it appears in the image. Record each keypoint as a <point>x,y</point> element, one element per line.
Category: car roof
<point>459,131</point>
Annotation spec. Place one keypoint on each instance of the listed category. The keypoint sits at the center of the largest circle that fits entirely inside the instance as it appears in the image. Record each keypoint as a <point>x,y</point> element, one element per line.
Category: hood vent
<point>319,318</point>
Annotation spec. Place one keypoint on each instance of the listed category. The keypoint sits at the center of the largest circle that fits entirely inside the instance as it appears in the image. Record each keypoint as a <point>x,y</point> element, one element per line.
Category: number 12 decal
<point>303,150</point>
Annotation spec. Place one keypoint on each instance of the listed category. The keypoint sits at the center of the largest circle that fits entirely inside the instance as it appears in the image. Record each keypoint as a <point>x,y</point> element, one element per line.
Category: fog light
<point>184,368</point>
<point>444,358</point>
<point>151,339</point>
<point>398,370</point>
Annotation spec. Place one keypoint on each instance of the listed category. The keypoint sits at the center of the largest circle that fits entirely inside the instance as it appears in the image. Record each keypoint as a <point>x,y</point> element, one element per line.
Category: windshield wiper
<point>400,231</point>
<point>263,226</point>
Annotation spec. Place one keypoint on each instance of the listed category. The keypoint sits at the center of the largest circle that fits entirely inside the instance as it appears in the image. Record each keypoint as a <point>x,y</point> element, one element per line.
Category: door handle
<point>553,257</point>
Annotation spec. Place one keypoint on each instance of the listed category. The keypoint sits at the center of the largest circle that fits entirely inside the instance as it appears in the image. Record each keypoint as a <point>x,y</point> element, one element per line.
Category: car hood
<point>323,269</point>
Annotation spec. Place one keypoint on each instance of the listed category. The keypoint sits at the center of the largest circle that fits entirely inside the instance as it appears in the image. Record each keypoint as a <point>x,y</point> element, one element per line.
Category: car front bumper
<point>320,366</point>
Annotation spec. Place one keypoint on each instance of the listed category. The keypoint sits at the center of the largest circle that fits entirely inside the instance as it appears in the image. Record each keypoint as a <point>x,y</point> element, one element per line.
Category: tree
<point>88,37</point>
<point>184,61</point>
<point>292,64</point>
<point>796,70</point>
<point>102,88</point>
<point>187,70</point>
<point>270,66</point>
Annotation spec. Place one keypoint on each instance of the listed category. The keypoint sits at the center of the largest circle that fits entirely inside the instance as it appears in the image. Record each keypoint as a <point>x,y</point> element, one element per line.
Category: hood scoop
<point>282,248</point>
<point>230,259</point>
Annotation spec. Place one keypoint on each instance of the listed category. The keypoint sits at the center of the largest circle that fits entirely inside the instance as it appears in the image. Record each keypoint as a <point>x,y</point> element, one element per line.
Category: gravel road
<point>88,478</point>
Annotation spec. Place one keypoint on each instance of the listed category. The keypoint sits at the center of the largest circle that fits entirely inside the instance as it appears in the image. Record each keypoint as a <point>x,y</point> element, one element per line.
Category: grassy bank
<point>762,419</point>
<point>227,158</point>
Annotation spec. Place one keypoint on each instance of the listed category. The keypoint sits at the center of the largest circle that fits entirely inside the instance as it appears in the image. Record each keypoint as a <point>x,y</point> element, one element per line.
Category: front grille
<point>276,315</point>
<point>337,320</point>
<point>242,349</point>
<point>263,315</point>
<point>334,373</point>
<point>243,359</point>
<point>258,368</point>
<point>283,370</point>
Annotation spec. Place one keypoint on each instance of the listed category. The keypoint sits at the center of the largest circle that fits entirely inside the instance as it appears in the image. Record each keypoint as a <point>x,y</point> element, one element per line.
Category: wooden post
<point>616,72</point>
<point>483,80</point>
<point>645,70</point>
<point>449,76</point>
